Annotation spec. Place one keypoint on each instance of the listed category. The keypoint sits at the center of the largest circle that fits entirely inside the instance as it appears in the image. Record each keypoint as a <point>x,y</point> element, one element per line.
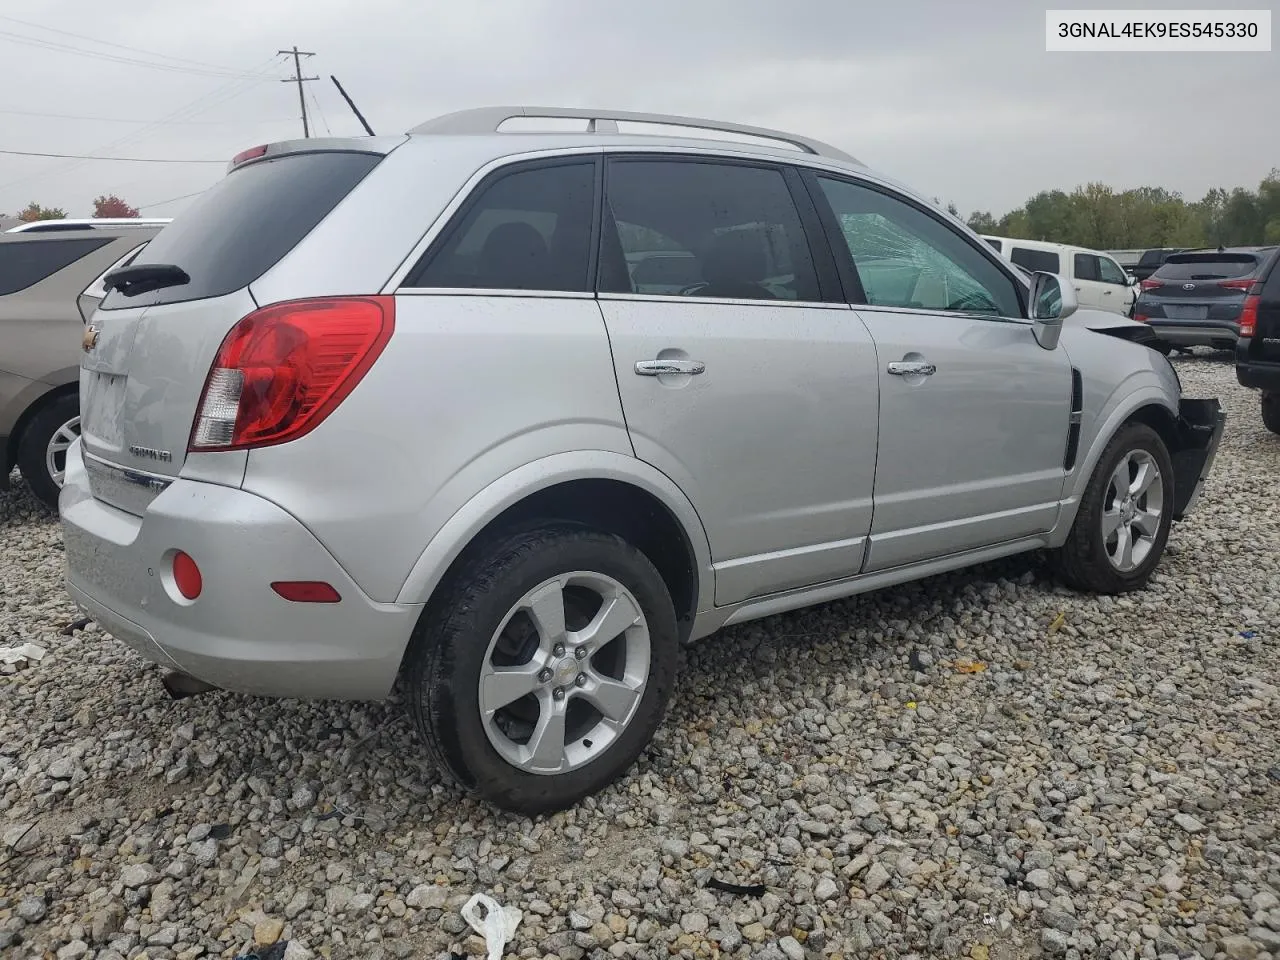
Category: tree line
<point>105,206</point>
<point>1100,218</point>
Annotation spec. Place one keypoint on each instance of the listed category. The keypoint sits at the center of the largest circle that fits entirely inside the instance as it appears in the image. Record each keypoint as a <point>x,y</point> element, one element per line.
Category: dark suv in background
<point>1151,261</point>
<point>50,283</point>
<point>1196,297</point>
<point>1258,349</point>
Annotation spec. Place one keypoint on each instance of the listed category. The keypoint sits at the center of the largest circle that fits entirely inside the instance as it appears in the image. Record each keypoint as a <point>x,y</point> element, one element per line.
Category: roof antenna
<point>359,116</point>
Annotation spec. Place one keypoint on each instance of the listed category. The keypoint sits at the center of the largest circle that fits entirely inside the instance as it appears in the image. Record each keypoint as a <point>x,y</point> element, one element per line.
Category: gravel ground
<point>1107,786</point>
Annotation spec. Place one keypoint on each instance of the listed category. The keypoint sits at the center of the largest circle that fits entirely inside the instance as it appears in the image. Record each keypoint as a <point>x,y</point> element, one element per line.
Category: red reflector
<point>250,154</point>
<point>306,591</point>
<point>186,576</point>
<point>1249,315</point>
<point>283,369</point>
<point>1244,284</point>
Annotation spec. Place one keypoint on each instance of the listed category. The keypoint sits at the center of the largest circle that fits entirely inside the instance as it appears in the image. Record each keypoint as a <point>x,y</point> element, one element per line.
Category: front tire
<point>42,451</point>
<point>1125,514</point>
<point>1271,412</point>
<point>546,667</point>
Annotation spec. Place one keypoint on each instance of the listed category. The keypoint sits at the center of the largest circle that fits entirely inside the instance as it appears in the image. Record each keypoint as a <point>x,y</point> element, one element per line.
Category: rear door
<point>1085,276</point>
<point>142,377</point>
<point>974,413</point>
<point>748,386</point>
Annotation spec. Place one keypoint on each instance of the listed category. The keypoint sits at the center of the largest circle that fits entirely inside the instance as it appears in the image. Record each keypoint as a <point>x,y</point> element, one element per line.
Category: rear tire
<point>42,451</point>
<point>1271,412</point>
<point>503,698</point>
<point>1125,514</point>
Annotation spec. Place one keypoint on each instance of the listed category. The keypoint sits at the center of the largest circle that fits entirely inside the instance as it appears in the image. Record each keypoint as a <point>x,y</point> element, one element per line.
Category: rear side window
<point>1087,267</point>
<point>724,230</point>
<point>995,244</point>
<point>1036,260</point>
<point>529,229</point>
<point>1207,266</point>
<point>27,262</point>
<point>246,222</point>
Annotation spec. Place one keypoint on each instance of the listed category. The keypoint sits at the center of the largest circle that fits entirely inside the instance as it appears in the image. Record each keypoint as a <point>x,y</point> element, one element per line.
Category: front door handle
<point>912,368</point>
<point>658,368</point>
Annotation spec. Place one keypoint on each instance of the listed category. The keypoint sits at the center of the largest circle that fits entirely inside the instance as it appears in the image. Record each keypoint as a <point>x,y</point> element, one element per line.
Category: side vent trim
<point>1077,413</point>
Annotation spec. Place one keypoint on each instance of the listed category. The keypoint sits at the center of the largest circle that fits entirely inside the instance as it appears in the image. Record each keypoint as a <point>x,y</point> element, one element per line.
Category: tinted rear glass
<point>1207,266</point>
<point>29,261</point>
<point>1152,257</point>
<point>246,222</point>
<point>1035,260</point>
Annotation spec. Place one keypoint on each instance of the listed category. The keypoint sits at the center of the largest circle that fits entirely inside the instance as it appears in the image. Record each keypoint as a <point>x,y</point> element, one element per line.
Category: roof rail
<point>482,120</point>
<point>87,223</point>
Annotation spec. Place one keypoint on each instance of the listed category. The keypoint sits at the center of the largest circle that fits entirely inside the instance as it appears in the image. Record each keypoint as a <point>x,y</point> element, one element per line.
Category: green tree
<point>980,221</point>
<point>36,212</point>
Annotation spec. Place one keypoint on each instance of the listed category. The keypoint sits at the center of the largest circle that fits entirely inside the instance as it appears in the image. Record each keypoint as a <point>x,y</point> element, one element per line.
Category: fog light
<point>186,576</point>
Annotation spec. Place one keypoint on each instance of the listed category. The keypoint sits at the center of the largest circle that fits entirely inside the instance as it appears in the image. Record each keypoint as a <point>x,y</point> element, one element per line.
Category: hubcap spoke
<point>505,685</point>
<point>1147,475</point>
<point>55,453</point>
<point>1147,522</point>
<point>546,607</point>
<point>1110,522</point>
<point>614,616</point>
<point>546,746</point>
<point>1124,549</point>
<point>615,699</point>
<point>1120,480</point>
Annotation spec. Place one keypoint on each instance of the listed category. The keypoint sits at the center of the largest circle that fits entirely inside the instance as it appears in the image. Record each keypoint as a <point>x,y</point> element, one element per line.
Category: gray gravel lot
<point>1108,786</point>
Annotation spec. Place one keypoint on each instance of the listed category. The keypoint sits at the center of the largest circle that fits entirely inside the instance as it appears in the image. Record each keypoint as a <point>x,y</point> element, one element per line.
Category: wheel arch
<point>36,401</point>
<point>604,490</point>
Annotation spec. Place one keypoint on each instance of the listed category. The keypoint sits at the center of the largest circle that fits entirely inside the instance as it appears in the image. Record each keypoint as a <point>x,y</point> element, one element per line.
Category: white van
<point>1100,282</point>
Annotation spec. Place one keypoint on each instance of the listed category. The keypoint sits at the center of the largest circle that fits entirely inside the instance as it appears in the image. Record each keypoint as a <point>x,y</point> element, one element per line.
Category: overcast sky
<point>963,106</point>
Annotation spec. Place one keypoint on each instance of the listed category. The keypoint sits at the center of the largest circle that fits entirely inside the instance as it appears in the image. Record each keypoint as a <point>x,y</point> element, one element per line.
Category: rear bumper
<point>1192,333</point>
<point>1255,374</point>
<point>1200,427</point>
<point>237,634</point>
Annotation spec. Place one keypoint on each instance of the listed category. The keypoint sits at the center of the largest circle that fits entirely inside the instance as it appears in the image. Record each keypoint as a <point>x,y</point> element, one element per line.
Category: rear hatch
<point>1198,287</point>
<point>158,334</point>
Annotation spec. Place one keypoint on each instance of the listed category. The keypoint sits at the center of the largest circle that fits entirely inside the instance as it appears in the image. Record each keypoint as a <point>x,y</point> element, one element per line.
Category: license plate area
<point>102,409</point>
<point>1185,312</point>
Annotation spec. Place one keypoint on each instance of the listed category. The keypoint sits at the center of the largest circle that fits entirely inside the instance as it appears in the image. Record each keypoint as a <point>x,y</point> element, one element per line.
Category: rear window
<point>27,262</point>
<point>1152,258</point>
<point>1207,266</point>
<point>1034,260</point>
<point>246,222</point>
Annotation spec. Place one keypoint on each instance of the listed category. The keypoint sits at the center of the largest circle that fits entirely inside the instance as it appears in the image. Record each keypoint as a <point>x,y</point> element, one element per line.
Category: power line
<point>74,116</point>
<point>161,203</point>
<point>299,79</point>
<point>118,46</point>
<point>86,156</point>
<point>42,44</point>
<point>320,111</point>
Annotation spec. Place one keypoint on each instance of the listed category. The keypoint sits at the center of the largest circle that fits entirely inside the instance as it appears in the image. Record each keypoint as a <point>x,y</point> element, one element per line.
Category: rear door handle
<point>917,368</point>
<point>657,368</point>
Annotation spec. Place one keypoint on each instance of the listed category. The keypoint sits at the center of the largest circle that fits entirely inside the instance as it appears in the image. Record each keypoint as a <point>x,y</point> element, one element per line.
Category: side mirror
<point>1052,301</point>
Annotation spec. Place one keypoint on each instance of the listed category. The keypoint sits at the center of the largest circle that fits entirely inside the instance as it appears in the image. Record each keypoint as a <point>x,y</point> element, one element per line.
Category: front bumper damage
<point>1199,431</point>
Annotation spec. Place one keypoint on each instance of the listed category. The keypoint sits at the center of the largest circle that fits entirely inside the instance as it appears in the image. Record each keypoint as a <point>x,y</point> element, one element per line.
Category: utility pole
<point>299,79</point>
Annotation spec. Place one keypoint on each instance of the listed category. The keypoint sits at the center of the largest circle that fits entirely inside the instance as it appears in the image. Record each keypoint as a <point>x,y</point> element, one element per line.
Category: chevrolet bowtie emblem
<point>90,338</point>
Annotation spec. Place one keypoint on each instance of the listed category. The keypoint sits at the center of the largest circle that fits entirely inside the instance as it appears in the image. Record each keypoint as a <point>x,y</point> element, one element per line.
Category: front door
<point>737,380</point>
<point>974,412</point>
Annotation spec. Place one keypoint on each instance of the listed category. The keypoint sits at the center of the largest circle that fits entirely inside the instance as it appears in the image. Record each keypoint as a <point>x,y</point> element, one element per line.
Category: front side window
<point>528,229</point>
<point>1042,261</point>
<point>1109,272</point>
<point>704,229</point>
<point>906,258</point>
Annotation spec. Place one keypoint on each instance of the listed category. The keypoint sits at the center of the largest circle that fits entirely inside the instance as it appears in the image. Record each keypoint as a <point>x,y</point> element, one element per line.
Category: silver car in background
<point>513,415</point>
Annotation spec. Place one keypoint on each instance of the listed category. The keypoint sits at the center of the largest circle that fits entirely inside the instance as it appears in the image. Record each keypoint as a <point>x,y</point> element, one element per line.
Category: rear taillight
<point>1249,315</point>
<point>283,369</point>
<point>1141,317</point>
<point>1150,284</point>
<point>1244,284</point>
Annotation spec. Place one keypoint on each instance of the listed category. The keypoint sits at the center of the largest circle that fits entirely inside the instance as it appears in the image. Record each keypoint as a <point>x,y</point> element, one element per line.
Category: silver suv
<point>513,415</point>
<point>50,282</point>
